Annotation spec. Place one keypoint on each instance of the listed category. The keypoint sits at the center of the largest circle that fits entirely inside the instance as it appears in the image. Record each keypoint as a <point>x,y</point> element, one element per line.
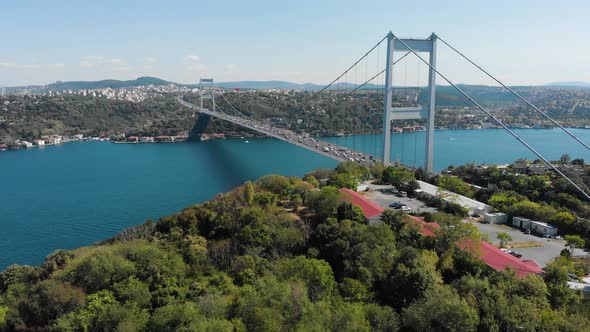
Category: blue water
<point>75,194</point>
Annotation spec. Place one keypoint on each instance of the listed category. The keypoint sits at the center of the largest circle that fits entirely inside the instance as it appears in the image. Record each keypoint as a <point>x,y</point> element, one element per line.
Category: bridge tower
<point>427,45</point>
<point>206,92</point>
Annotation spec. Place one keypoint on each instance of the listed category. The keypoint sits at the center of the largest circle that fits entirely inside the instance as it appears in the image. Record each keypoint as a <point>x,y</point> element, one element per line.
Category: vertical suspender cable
<point>518,138</point>
<point>516,94</point>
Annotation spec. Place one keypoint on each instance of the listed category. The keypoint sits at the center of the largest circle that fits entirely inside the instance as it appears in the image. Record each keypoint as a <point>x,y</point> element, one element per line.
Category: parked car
<point>402,194</point>
<point>397,205</point>
<point>406,208</point>
<point>515,253</point>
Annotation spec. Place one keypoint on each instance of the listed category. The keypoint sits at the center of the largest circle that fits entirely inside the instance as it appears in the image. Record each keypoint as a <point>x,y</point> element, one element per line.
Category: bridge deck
<point>329,150</point>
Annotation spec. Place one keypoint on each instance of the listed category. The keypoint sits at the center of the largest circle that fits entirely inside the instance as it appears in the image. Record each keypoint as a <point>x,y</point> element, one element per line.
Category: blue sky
<point>523,42</point>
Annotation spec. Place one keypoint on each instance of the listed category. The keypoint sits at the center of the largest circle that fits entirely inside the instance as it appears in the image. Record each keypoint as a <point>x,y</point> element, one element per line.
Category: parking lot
<point>547,250</point>
<point>542,255</point>
<point>381,195</point>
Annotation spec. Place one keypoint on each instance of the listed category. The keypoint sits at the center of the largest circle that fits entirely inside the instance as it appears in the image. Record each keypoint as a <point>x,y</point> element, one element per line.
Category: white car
<point>406,208</point>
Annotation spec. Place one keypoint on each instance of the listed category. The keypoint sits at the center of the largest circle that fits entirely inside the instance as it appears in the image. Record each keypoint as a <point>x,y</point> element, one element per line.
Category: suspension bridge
<point>396,107</point>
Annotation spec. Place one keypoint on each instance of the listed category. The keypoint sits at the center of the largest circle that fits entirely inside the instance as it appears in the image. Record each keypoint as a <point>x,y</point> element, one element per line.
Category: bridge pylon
<point>427,45</point>
<point>206,91</point>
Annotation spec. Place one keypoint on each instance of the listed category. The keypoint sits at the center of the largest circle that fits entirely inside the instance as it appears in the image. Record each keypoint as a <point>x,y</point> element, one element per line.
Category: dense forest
<point>283,254</point>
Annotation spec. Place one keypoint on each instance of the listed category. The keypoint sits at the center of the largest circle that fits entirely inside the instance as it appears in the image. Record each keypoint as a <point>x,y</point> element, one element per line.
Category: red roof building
<point>487,252</point>
<point>491,255</point>
<point>370,209</point>
<point>498,259</point>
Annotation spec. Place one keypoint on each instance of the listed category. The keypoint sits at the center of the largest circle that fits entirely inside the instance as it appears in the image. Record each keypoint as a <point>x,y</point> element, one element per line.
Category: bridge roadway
<point>329,150</point>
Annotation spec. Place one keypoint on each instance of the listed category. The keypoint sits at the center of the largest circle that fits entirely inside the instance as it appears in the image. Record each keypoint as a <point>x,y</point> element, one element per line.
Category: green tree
<point>343,180</point>
<point>134,291</point>
<point>311,180</point>
<point>454,184</point>
<point>565,158</point>
<point>323,202</point>
<point>397,176</point>
<point>573,242</point>
<point>249,192</point>
<point>441,310</point>
<point>504,238</point>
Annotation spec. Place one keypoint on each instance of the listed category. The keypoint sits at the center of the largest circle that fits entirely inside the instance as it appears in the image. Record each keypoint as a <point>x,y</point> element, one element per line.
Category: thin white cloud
<point>192,58</point>
<point>12,65</point>
<point>231,68</point>
<point>198,67</point>
<point>122,68</point>
<point>148,60</point>
<point>92,61</point>
<point>87,64</point>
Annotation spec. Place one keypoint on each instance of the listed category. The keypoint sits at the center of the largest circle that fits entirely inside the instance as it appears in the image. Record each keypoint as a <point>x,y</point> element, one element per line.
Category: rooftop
<point>370,209</point>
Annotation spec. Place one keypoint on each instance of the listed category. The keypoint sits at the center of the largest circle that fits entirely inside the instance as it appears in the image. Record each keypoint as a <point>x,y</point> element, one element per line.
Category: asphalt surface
<point>381,196</point>
<point>542,255</point>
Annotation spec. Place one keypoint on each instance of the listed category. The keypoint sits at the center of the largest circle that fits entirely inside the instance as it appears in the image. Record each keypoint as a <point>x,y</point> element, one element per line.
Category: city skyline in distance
<point>262,41</point>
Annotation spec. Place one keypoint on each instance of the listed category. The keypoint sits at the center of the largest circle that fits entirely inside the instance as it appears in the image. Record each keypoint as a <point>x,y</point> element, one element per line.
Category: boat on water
<point>246,142</point>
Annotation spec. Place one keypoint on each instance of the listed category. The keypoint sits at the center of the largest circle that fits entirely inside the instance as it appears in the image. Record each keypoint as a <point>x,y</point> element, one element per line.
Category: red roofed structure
<point>487,252</point>
<point>370,209</point>
<point>498,259</point>
<point>426,228</point>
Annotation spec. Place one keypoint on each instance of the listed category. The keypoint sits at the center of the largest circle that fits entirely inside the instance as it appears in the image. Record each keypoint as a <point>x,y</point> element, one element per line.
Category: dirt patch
<point>526,244</point>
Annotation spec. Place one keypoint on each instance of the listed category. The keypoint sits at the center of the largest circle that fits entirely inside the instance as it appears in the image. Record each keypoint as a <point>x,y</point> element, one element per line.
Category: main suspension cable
<point>516,94</point>
<point>347,70</point>
<point>379,73</point>
<point>497,120</point>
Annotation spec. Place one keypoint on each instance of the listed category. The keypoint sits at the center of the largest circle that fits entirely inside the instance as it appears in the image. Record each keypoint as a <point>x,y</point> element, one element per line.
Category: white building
<point>521,222</point>
<point>543,228</point>
<point>537,227</point>
<point>495,218</point>
<point>39,142</point>
<point>473,206</point>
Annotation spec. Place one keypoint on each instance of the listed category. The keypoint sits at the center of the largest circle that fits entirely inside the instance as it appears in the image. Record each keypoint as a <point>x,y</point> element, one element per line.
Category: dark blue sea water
<point>75,194</point>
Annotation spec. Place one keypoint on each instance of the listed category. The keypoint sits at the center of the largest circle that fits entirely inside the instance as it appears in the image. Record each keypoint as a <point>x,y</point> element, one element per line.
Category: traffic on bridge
<point>330,150</point>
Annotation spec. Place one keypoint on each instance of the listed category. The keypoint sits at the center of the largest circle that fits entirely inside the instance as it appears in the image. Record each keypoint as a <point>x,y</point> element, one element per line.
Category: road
<point>329,150</point>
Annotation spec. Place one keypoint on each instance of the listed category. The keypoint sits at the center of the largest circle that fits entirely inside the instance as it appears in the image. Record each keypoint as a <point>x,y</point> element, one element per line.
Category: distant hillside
<point>580,84</point>
<point>84,85</point>
<point>261,85</point>
<point>257,85</point>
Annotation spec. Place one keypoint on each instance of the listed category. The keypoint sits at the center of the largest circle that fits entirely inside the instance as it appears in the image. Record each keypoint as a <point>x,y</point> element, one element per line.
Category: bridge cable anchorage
<point>483,109</point>
<point>379,73</point>
<point>347,70</point>
<point>516,94</point>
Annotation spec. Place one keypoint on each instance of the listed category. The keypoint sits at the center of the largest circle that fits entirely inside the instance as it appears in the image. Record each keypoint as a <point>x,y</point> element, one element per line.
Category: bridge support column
<point>429,158</point>
<point>387,102</point>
